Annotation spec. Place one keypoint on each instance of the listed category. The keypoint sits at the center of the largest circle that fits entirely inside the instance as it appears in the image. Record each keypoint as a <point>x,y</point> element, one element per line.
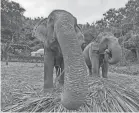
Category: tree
<point>11,20</point>
<point>133,44</point>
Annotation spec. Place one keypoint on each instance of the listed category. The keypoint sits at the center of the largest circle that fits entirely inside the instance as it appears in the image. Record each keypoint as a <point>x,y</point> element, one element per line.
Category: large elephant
<point>59,34</point>
<point>106,50</point>
<point>58,57</point>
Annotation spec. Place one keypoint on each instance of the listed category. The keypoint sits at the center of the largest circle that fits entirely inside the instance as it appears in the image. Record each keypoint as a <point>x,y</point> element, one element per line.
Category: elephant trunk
<point>111,44</point>
<point>115,53</point>
<point>75,80</point>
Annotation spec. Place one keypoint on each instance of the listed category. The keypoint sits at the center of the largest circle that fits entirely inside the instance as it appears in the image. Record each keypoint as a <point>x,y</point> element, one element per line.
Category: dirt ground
<point>19,80</point>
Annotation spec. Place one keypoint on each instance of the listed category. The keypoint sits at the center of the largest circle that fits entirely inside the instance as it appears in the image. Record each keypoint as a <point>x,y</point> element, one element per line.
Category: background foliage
<point>122,22</point>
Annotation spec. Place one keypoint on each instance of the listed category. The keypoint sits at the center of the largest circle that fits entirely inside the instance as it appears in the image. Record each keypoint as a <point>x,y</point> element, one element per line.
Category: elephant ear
<point>51,35</point>
<point>39,30</point>
<point>43,29</point>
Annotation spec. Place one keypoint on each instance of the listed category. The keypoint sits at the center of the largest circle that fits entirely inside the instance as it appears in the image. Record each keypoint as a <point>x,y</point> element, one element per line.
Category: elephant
<point>100,53</point>
<point>58,57</point>
<point>59,34</point>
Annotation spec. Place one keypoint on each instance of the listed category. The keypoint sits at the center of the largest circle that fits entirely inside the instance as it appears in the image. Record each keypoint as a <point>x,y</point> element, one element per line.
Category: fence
<point>28,59</point>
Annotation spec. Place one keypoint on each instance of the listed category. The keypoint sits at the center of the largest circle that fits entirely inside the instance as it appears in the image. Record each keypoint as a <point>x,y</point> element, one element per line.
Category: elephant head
<point>112,45</point>
<point>39,30</point>
<point>61,29</point>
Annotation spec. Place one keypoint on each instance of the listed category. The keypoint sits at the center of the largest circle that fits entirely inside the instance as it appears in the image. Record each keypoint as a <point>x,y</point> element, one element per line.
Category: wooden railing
<point>19,58</point>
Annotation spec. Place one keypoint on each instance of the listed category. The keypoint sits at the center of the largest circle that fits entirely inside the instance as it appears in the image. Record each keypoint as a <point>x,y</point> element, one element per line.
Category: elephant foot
<point>90,74</point>
<point>48,85</point>
<point>104,76</point>
<point>48,91</point>
<point>61,82</point>
<point>95,75</point>
<point>59,86</point>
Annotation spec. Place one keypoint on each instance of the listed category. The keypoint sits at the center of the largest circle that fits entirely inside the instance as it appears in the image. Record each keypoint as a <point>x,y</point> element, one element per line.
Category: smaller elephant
<point>91,55</point>
<point>102,53</point>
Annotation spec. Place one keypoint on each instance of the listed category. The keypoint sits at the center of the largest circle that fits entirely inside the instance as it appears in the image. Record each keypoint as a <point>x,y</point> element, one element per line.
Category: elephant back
<point>102,35</point>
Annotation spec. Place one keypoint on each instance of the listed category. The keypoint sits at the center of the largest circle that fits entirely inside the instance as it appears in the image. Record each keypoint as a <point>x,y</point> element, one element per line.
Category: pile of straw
<point>103,96</point>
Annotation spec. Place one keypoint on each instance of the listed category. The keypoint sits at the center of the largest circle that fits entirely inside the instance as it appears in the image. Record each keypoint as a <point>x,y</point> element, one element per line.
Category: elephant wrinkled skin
<point>106,50</point>
<point>59,62</point>
<point>60,36</point>
<point>39,32</point>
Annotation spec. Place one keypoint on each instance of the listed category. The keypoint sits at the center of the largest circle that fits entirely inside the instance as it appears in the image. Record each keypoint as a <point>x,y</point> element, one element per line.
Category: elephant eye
<point>110,54</point>
<point>53,40</point>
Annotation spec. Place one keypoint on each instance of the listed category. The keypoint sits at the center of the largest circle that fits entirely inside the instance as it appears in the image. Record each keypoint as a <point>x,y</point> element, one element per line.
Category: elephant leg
<point>105,70</point>
<point>101,61</point>
<point>61,79</point>
<point>94,57</point>
<point>57,71</point>
<point>90,70</point>
<point>48,69</point>
<point>105,66</point>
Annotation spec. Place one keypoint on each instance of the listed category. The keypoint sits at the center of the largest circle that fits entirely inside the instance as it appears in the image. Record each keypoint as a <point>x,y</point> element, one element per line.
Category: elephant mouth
<point>110,54</point>
<point>83,46</point>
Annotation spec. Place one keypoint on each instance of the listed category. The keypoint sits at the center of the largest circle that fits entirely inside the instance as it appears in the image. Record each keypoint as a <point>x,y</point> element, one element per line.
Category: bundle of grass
<point>103,96</point>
